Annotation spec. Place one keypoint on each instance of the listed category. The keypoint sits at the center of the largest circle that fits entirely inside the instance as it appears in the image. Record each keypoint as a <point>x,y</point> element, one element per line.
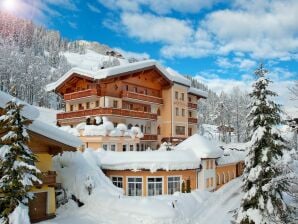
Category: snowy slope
<point>91,60</point>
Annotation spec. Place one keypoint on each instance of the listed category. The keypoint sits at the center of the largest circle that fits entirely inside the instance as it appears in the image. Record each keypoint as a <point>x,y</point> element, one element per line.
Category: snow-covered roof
<point>199,92</point>
<point>170,74</point>
<point>38,126</point>
<point>54,133</point>
<point>151,160</point>
<point>28,111</point>
<point>186,155</point>
<point>231,156</point>
<point>201,146</point>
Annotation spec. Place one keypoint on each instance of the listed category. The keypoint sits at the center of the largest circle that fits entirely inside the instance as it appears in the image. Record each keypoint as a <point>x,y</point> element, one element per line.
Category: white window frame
<point>134,182</point>
<point>162,185</point>
<point>111,177</point>
<point>181,180</point>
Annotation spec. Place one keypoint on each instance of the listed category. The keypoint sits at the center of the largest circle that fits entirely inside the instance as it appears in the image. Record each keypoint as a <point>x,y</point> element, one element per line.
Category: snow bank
<point>19,215</point>
<point>201,146</point>
<point>105,129</point>
<point>151,160</point>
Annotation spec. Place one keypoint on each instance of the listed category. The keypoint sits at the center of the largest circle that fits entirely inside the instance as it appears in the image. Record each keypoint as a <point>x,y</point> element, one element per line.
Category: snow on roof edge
<point>54,133</point>
<point>198,92</point>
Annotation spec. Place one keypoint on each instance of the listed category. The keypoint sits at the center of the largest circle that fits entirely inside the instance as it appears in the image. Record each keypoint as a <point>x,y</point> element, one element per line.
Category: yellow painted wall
<point>225,173</point>
<point>44,162</point>
<point>184,174</point>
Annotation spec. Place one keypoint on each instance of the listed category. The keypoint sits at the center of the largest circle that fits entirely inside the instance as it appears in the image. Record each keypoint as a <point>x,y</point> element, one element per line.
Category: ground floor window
<point>134,186</point>
<point>131,147</point>
<point>174,184</point>
<point>113,147</point>
<point>154,186</point>
<point>118,181</point>
<point>105,146</point>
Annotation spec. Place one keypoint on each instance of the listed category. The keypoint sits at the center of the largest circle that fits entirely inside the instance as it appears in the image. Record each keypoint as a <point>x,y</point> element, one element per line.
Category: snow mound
<point>201,146</point>
<point>151,160</point>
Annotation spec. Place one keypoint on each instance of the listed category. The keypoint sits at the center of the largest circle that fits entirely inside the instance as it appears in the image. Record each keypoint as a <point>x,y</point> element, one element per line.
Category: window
<point>189,131</point>
<point>142,147</point>
<point>138,147</point>
<point>80,106</point>
<point>115,104</point>
<point>71,107</point>
<point>177,111</point>
<point>217,180</point>
<point>130,147</point>
<point>97,103</point>
<point>134,186</point>
<point>183,112</point>
<point>105,146</point>
<point>176,95</point>
<point>87,105</point>
<point>113,147</point>
<point>180,130</point>
<point>189,99</point>
<point>158,112</point>
<point>118,181</point>
<point>189,114</point>
<point>124,148</point>
<point>174,184</point>
<point>154,186</point>
<point>158,130</point>
<point>182,96</point>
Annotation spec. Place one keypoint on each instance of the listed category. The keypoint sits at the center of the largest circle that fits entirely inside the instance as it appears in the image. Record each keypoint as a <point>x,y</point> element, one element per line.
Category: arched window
<point>222,178</point>
<point>158,130</point>
<point>158,112</point>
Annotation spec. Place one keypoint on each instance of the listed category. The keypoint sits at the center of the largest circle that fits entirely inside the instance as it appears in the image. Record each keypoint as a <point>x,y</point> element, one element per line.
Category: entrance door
<point>38,206</point>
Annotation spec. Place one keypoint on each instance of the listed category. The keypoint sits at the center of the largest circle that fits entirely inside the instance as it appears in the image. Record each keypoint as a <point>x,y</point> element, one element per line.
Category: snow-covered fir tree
<point>263,187</point>
<point>17,170</point>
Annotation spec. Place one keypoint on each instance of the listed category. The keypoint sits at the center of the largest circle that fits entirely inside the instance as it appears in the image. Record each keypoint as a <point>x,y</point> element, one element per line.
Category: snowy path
<point>217,208</point>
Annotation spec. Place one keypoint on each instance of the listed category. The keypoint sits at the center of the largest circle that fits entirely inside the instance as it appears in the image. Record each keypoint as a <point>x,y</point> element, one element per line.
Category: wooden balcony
<point>142,97</point>
<point>149,137</point>
<point>48,178</point>
<point>107,112</point>
<point>192,106</point>
<point>81,94</point>
<point>192,120</point>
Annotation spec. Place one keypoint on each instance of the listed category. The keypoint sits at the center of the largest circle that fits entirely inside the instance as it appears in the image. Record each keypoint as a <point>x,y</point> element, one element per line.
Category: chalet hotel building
<point>144,94</point>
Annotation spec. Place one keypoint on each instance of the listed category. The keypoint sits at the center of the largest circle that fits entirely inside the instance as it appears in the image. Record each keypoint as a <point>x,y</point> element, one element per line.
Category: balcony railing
<point>143,97</point>
<point>48,178</point>
<point>192,120</point>
<point>107,111</point>
<point>149,137</point>
<point>80,94</point>
<point>192,105</point>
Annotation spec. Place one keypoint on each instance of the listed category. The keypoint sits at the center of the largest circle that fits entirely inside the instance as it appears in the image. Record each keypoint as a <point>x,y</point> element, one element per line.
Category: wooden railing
<point>149,137</point>
<point>192,105</point>
<point>142,97</point>
<point>48,178</point>
<point>192,120</point>
<point>80,94</point>
<point>107,111</point>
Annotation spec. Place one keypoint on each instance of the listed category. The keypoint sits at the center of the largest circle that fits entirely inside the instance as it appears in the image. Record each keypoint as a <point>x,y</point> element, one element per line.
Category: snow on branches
<point>263,186</point>
<point>17,170</point>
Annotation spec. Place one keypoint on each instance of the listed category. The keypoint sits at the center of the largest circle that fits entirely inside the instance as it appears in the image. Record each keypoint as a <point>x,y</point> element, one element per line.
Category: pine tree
<point>263,186</point>
<point>17,169</point>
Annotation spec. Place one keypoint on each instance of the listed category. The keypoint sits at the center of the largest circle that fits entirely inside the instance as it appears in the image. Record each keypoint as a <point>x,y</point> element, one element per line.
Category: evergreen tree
<point>263,186</point>
<point>17,169</point>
